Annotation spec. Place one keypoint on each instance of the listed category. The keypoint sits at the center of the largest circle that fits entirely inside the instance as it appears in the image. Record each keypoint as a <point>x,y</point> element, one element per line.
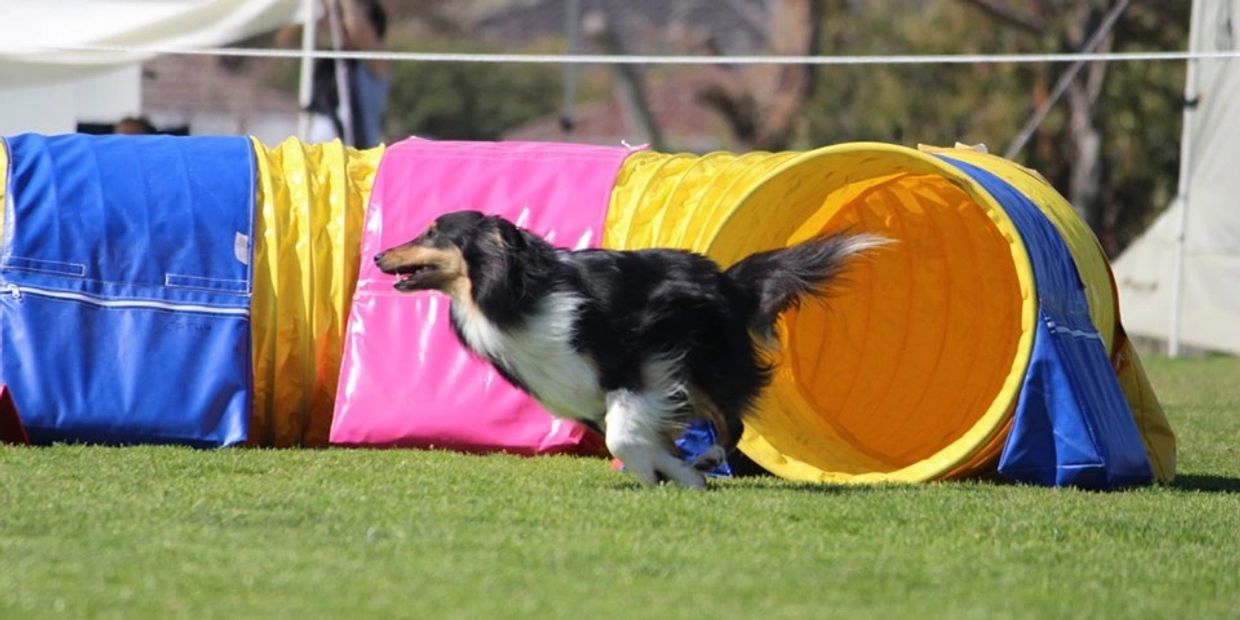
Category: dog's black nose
<point>378,257</point>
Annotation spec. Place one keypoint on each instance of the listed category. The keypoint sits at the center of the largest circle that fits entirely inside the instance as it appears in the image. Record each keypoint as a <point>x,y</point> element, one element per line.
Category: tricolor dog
<point>637,344</point>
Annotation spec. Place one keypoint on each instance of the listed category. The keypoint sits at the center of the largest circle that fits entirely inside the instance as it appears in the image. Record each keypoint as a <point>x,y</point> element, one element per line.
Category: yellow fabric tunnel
<point>311,204</point>
<point>911,370</point>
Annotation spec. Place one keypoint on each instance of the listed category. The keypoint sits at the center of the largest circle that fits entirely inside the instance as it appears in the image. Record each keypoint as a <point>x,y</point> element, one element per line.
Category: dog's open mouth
<point>413,277</point>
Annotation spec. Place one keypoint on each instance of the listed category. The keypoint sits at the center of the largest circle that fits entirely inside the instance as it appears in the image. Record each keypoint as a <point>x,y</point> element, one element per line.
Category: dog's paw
<point>713,457</point>
<point>678,472</point>
<point>653,466</point>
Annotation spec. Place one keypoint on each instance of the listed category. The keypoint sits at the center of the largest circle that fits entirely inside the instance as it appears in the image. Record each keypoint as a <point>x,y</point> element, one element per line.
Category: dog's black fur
<point>635,306</point>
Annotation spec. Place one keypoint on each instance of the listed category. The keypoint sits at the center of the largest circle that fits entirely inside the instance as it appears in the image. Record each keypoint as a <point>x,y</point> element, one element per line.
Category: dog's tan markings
<point>459,287</point>
<point>411,254</point>
<point>461,293</point>
<point>451,275</point>
<point>704,407</point>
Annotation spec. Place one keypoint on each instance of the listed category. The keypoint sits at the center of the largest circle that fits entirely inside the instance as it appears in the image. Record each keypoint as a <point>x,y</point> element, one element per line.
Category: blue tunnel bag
<point>1072,425</point>
<point>126,288</point>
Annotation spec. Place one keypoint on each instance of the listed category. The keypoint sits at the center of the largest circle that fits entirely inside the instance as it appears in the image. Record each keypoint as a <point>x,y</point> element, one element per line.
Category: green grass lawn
<point>158,532</point>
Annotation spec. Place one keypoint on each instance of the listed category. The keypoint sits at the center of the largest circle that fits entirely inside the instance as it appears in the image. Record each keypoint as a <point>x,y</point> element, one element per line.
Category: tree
<point>474,101</point>
<point>1109,145</point>
<point>1106,147</point>
<point>603,29</point>
<point>763,103</point>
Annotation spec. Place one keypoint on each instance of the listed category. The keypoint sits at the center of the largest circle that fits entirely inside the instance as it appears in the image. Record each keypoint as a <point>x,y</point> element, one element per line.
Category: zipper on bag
<point>17,292</point>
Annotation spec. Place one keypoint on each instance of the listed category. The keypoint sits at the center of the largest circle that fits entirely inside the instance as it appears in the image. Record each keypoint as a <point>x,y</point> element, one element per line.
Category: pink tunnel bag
<point>405,379</point>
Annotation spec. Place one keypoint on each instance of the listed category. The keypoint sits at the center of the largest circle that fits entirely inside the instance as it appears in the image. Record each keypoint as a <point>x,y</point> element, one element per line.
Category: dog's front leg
<point>636,435</point>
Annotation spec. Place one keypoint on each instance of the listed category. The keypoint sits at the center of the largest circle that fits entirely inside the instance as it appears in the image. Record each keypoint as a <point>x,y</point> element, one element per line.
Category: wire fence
<point>628,59</point>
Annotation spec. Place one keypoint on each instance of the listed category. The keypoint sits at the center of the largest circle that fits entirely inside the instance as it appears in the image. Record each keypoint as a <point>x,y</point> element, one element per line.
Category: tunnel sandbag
<point>912,369</point>
<point>1071,388</point>
<point>126,271</point>
<point>1156,433</point>
<point>311,202</point>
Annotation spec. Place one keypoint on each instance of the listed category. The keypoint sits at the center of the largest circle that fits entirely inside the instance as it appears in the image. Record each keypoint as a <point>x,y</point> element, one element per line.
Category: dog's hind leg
<point>637,434</point>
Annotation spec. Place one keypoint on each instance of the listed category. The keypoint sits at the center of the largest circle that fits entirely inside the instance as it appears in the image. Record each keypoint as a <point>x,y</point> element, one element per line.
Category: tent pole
<point>307,69</point>
<point>1191,96</point>
<point>344,93</point>
<point>571,27</point>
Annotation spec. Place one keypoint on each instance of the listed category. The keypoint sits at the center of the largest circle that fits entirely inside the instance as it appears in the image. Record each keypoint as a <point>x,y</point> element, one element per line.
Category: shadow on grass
<point>1203,483</point>
<point>765,483</point>
<point>1206,483</point>
<point>743,485</point>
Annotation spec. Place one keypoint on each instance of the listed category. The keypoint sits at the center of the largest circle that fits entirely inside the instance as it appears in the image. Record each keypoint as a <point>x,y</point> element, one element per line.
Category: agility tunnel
<point>988,330</point>
<point>986,339</point>
<point>132,250</point>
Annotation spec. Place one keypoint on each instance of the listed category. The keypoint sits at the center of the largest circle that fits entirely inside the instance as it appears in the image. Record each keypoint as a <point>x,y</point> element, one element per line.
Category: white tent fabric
<point>34,25</point>
<point>1209,315</point>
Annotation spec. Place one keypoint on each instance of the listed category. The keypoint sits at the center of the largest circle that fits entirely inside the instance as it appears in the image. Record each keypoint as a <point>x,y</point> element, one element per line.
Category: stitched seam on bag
<point>177,280</point>
<point>39,265</point>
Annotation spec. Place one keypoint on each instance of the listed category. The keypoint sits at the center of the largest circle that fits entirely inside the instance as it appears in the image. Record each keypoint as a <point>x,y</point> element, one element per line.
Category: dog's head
<point>455,248</point>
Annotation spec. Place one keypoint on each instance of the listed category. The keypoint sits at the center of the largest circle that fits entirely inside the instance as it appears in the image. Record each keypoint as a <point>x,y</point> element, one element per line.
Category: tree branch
<point>751,18</point>
<point>1008,16</point>
<point>1065,79</point>
<point>603,28</point>
<point>762,105</point>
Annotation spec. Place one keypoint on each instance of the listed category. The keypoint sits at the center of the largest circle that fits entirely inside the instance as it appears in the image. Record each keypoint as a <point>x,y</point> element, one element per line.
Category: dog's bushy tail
<point>778,279</point>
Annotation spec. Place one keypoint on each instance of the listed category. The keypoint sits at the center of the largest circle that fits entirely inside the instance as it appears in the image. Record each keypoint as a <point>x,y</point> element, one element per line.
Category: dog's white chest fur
<point>540,354</point>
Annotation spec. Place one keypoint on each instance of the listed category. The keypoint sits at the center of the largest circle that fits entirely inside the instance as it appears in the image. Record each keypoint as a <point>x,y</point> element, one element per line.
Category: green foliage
<point>1140,113</point>
<point>933,104</point>
<point>1137,111</point>
<point>158,532</point>
<point>468,101</point>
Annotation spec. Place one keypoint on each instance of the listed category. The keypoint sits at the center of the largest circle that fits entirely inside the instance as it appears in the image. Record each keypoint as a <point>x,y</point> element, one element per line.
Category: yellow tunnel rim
<point>961,454</point>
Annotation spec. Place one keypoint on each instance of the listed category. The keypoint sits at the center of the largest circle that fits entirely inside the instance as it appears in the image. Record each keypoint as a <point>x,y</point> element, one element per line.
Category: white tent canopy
<point>1207,274</point>
<point>34,25</point>
<point>46,87</point>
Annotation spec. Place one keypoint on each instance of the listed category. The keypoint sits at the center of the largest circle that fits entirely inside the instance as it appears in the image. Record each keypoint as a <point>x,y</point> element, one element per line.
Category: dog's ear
<point>508,235</point>
<point>495,269</point>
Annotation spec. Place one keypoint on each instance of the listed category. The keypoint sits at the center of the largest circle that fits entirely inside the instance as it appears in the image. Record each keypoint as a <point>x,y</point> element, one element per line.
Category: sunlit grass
<point>157,532</point>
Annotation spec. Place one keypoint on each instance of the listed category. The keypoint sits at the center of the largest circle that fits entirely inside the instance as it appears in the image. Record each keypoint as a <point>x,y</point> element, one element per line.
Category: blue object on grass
<point>698,438</point>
